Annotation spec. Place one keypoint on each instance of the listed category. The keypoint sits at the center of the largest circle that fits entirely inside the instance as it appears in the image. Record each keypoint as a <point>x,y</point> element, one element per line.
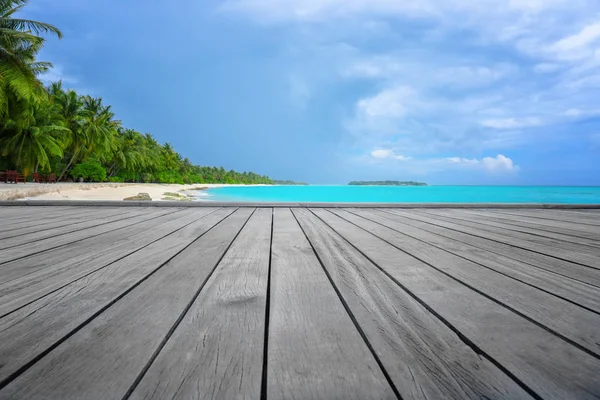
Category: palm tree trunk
<point>68,165</point>
<point>111,170</point>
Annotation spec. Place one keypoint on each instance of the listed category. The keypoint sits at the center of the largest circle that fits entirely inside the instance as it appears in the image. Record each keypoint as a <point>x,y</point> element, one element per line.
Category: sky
<point>327,91</point>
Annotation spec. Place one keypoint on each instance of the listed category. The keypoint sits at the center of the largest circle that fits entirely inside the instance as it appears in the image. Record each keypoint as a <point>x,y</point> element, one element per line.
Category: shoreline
<point>101,191</point>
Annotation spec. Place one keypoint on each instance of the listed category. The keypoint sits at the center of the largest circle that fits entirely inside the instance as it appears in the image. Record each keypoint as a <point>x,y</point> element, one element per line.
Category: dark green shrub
<point>90,171</point>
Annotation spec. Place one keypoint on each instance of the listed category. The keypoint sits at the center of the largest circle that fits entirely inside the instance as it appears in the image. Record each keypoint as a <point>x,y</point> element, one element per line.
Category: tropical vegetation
<point>76,136</point>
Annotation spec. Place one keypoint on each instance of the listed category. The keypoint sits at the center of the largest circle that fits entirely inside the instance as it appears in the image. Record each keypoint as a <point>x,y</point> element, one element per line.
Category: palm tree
<point>70,104</point>
<point>128,154</point>
<point>32,140</point>
<point>20,41</point>
<point>94,134</point>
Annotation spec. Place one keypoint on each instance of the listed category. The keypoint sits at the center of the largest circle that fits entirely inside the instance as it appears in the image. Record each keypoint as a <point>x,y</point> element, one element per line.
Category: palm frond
<point>29,25</point>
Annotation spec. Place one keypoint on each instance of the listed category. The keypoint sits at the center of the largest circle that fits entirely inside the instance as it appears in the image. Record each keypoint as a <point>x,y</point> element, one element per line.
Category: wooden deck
<point>302,303</point>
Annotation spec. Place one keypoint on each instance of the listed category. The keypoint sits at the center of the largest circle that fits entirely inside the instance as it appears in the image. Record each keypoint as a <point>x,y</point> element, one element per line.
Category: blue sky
<point>327,91</point>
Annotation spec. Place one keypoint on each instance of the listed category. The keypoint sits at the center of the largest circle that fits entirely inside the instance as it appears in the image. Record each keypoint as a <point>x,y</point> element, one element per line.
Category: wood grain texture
<point>216,352</point>
<point>557,240</point>
<point>32,331</point>
<point>591,217</point>
<point>555,248</point>
<point>570,321</point>
<point>38,282</point>
<point>166,301</point>
<point>40,265</point>
<point>32,233</point>
<point>103,359</point>
<point>547,365</point>
<point>314,349</point>
<point>49,245</point>
<point>424,358</point>
<point>41,237</point>
<point>48,220</point>
<point>561,227</point>
<point>562,267</point>
<point>576,291</point>
<point>11,216</point>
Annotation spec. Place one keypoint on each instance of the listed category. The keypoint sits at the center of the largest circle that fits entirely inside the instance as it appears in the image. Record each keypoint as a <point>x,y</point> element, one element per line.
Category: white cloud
<point>588,35</point>
<point>388,103</point>
<point>389,154</point>
<point>577,112</point>
<point>426,76</point>
<point>511,123</point>
<point>460,160</point>
<point>380,114</point>
<point>428,72</point>
<point>496,164</point>
<point>499,163</point>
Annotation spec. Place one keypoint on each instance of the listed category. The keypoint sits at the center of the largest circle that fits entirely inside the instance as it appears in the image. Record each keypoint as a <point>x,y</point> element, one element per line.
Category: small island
<point>278,182</point>
<point>387,183</point>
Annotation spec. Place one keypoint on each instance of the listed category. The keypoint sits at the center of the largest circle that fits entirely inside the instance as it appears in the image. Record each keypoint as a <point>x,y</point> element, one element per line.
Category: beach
<point>97,191</point>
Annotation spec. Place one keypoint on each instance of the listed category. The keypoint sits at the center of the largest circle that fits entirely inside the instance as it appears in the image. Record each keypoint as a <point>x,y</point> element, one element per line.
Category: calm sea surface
<point>407,194</point>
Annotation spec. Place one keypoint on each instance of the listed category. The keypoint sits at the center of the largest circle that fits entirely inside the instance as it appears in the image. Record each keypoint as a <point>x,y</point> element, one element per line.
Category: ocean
<point>406,194</point>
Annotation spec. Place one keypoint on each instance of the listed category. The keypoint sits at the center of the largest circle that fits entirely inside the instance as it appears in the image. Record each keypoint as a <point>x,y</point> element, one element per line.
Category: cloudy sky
<point>327,91</point>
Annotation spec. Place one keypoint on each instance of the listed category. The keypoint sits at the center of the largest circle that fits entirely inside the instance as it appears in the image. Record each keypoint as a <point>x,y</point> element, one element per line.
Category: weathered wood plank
<point>544,363</point>
<point>16,215</point>
<point>44,220</point>
<point>49,245</point>
<point>16,292</point>
<point>70,231</point>
<point>567,228</point>
<point>576,291</point>
<point>11,214</point>
<point>557,315</point>
<point>42,265</point>
<point>60,226</point>
<point>103,359</point>
<point>423,357</point>
<point>314,349</point>
<point>216,352</point>
<point>488,221</point>
<point>589,217</point>
<point>538,240</point>
<point>548,262</point>
<point>32,331</point>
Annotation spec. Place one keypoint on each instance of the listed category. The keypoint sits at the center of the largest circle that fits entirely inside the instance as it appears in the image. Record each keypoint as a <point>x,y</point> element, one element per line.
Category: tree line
<point>51,129</point>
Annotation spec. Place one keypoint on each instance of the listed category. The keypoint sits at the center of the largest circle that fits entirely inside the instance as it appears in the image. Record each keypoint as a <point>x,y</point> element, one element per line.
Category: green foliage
<point>20,41</point>
<point>58,130</point>
<point>91,171</point>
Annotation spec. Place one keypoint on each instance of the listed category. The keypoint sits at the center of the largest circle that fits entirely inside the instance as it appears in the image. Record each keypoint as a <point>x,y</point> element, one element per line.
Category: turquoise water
<point>408,194</point>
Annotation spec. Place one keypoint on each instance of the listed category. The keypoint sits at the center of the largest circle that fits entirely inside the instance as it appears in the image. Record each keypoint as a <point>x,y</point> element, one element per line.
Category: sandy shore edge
<point>97,191</point>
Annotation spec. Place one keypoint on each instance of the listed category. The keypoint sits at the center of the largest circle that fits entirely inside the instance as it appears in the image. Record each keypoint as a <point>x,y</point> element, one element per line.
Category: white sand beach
<point>94,191</point>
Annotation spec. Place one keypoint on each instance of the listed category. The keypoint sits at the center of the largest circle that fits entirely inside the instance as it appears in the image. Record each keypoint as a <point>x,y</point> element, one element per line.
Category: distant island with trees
<point>387,183</point>
<point>278,182</point>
